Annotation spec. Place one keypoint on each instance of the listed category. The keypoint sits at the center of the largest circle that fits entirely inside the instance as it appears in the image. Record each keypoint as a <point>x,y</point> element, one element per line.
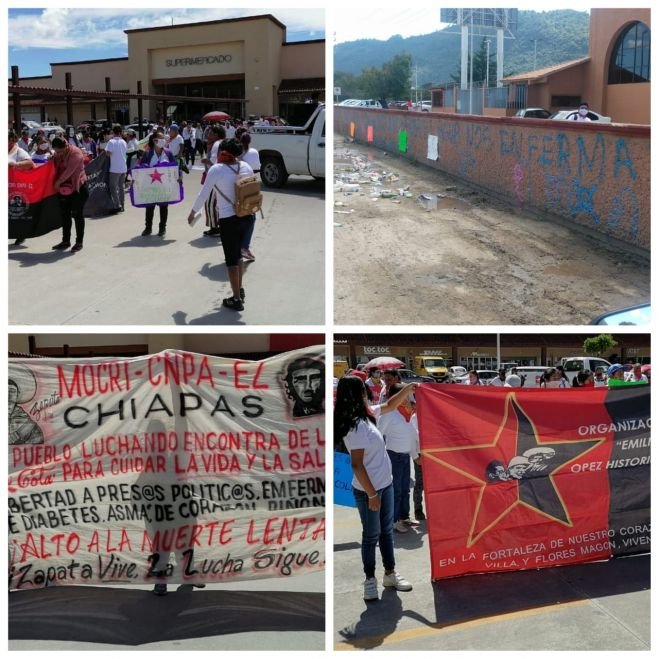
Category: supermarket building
<point>244,66</point>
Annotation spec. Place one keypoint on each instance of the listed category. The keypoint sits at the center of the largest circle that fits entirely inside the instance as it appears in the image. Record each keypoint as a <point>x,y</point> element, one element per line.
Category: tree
<point>480,66</point>
<point>598,345</point>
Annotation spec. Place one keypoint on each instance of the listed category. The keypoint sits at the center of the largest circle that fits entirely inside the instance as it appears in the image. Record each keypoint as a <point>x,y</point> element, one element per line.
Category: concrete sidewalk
<point>594,606</point>
<point>122,278</point>
<point>267,614</point>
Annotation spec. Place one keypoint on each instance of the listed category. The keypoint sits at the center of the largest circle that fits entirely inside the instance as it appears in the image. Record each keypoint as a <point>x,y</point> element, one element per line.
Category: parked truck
<point>286,150</point>
<point>432,366</point>
<point>573,365</point>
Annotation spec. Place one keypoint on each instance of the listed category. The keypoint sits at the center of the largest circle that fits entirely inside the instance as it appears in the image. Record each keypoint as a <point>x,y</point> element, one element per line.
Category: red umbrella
<point>384,363</point>
<point>216,115</point>
<point>358,374</point>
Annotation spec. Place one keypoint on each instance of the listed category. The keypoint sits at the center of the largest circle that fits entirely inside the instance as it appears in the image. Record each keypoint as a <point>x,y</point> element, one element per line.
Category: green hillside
<point>561,35</point>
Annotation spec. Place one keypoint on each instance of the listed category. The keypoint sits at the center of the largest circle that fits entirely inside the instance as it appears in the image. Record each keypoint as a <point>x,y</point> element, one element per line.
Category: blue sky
<point>38,37</point>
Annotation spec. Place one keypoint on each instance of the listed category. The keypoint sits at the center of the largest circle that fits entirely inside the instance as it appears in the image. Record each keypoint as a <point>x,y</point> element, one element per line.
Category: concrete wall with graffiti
<point>593,176</point>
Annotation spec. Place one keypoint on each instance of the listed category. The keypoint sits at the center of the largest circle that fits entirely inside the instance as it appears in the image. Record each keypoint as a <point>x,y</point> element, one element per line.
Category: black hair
<point>546,376</point>
<point>350,407</point>
<point>233,146</point>
<point>218,130</point>
<point>155,136</point>
<point>58,143</point>
<point>116,129</point>
<point>580,378</point>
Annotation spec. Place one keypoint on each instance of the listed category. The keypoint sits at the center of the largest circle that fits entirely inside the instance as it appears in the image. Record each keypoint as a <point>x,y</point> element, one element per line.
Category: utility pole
<point>416,84</point>
<point>487,64</point>
<point>535,54</point>
<point>471,63</point>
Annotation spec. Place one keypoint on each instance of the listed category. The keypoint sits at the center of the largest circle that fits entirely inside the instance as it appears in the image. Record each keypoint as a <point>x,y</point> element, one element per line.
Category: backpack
<point>247,194</point>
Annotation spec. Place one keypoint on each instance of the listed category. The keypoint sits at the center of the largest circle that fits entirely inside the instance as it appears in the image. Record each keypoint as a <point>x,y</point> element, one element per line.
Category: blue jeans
<point>377,526</point>
<point>400,469</point>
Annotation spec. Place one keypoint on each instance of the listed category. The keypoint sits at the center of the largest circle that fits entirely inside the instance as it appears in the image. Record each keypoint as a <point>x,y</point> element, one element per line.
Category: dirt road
<point>472,261</point>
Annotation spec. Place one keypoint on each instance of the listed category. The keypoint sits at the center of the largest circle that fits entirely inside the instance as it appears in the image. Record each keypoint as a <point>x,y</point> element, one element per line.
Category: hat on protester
<point>614,368</point>
<point>173,127</point>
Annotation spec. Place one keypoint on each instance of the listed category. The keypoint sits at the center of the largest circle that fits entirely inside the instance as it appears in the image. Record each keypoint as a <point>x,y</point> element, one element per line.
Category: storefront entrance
<point>227,89</point>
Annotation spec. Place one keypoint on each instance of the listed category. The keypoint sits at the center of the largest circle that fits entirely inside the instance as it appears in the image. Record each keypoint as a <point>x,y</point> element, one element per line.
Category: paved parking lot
<point>594,606</point>
<point>122,278</point>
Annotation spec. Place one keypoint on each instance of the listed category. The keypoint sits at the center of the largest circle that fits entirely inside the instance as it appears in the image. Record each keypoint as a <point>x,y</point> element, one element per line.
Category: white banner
<point>156,185</point>
<point>175,466</point>
<point>433,147</point>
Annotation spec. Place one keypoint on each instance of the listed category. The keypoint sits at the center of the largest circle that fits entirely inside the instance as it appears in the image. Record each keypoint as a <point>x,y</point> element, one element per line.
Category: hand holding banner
<point>172,466</point>
<point>156,185</point>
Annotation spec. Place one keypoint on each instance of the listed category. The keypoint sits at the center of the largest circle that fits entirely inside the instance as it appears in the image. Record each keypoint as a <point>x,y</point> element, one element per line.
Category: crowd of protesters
<point>221,148</point>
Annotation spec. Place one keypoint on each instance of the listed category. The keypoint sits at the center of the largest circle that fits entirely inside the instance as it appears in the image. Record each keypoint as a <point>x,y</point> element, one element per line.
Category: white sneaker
<point>394,580</point>
<point>371,589</point>
<point>400,527</point>
<point>411,522</point>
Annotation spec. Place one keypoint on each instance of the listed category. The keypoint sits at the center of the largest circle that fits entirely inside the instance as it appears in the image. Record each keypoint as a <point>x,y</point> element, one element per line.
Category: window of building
<point>565,101</point>
<point>630,60</point>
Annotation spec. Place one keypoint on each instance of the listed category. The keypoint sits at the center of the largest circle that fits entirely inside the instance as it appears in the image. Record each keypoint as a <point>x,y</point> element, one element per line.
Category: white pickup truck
<point>286,150</point>
<point>573,365</point>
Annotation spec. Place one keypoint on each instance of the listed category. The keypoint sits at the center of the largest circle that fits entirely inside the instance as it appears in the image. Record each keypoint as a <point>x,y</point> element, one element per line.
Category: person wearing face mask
<point>42,152</point>
<point>599,378</point>
<point>71,136</point>
<point>472,378</point>
<point>88,145</point>
<point>582,115</point>
<point>156,153</point>
<point>552,379</point>
<point>374,381</point>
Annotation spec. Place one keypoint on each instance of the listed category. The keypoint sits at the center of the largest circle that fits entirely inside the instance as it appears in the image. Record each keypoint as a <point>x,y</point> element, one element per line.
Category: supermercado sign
<point>175,466</point>
<point>203,59</point>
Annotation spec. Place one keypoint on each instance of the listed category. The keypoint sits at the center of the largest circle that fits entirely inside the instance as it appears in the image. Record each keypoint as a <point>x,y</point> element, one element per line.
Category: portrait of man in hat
<point>22,389</point>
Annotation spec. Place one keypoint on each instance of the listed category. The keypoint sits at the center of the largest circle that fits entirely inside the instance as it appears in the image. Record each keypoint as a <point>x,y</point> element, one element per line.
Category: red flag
<point>515,479</point>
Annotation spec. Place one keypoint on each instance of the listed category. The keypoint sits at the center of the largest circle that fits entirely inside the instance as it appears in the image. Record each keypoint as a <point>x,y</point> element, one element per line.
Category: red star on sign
<point>156,176</point>
<point>503,485</point>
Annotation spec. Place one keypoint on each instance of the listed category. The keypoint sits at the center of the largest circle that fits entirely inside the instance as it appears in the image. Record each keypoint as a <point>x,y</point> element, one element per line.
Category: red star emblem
<point>506,478</point>
<point>156,176</point>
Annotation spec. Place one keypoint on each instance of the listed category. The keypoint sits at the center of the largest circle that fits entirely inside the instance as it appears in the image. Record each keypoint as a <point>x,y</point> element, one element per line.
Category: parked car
<point>410,376</point>
<point>457,374</point>
<point>350,101</point>
<point>424,106</point>
<point>146,127</point>
<point>533,113</point>
<point>570,115</point>
<point>486,376</point>
<point>31,126</point>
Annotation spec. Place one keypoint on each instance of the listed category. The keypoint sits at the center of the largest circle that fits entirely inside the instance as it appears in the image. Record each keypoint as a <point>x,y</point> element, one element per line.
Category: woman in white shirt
<point>355,426</point>
<point>402,438</point>
<point>251,157</point>
<point>222,178</point>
